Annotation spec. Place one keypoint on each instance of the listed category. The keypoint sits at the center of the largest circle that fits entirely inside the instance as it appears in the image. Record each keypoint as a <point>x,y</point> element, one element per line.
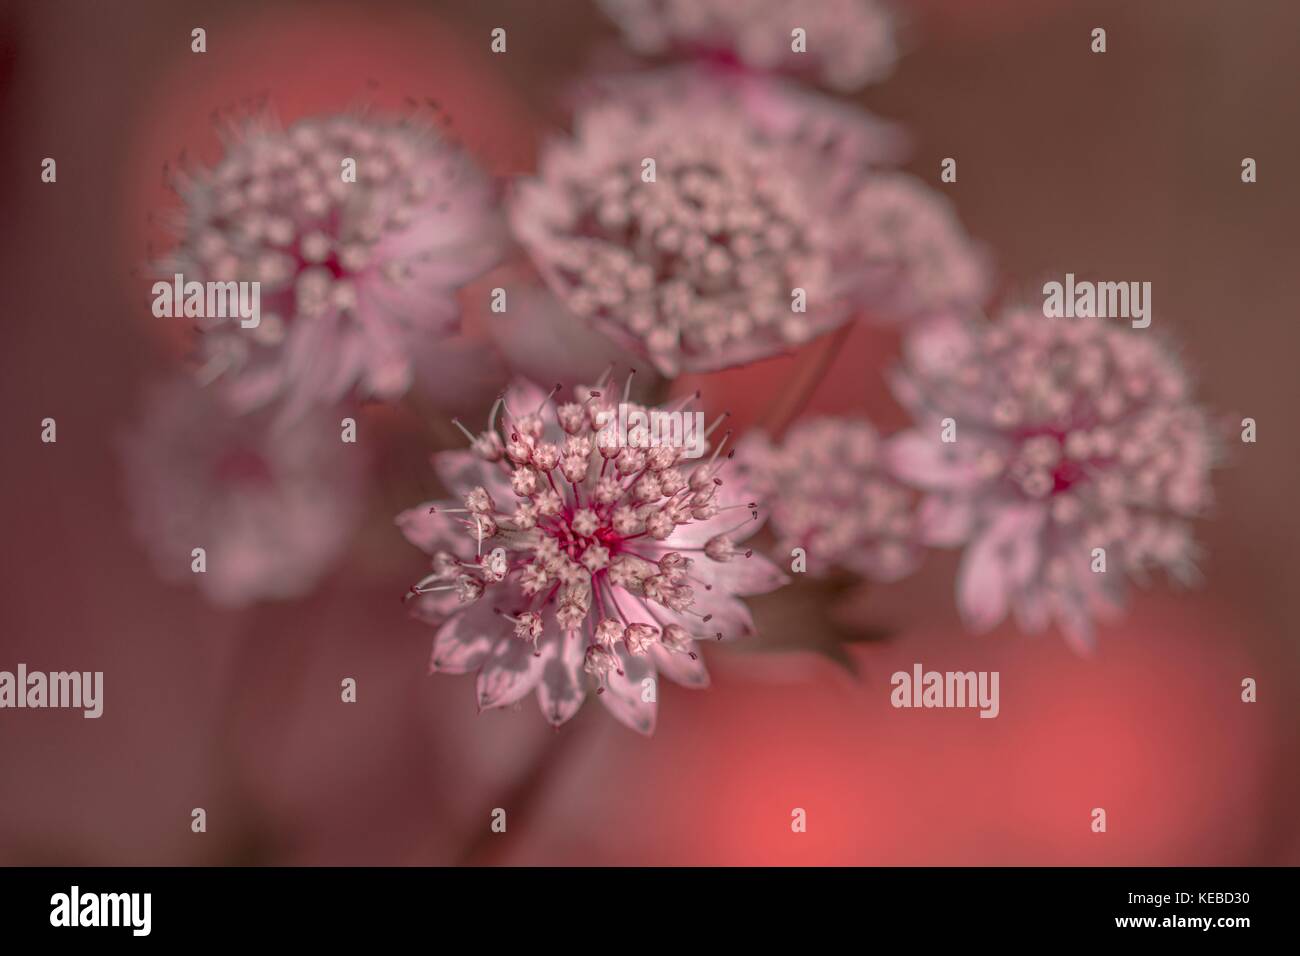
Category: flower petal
<point>625,693</point>
<point>1074,620</point>
<point>728,616</point>
<point>436,607</point>
<point>464,642</point>
<point>680,667</point>
<point>742,575</point>
<point>562,688</point>
<point>997,564</point>
<point>508,675</point>
<point>981,589</point>
<point>945,521</point>
<point>462,471</point>
<point>928,462</point>
<point>1031,609</point>
<point>429,532</point>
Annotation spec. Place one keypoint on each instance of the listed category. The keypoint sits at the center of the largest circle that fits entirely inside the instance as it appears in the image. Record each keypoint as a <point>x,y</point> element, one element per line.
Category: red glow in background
<point>1123,165</point>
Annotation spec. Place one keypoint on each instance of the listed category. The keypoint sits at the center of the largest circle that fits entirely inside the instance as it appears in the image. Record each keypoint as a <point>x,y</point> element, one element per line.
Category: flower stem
<point>804,383</point>
<point>520,802</point>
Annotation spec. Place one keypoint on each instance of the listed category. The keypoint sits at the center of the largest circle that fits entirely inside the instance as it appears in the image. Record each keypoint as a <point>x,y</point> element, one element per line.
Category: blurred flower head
<point>701,219</point>
<point>359,230</point>
<point>273,511</point>
<point>929,265</point>
<point>572,560</point>
<point>1040,440</point>
<point>832,496</point>
<point>847,43</point>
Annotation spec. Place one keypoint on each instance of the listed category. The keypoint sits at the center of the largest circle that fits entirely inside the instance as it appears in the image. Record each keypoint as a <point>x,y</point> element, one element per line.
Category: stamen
<point>424,581</point>
<point>613,598</point>
<point>506,405</point>
<point>549,395</point>
<point>465,431</point>
<point>754,517</point>
<point>718,451</point>
<point>417,590</point>
<point>492,415</point>
<point>680,406</point>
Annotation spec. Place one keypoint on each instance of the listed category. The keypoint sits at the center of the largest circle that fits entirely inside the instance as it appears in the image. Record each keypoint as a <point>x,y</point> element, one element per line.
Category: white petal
<point>562,687</point>
<point>624,694</point>
<point>465,641</point>
<point>510,672</point>
<point>680,667</point>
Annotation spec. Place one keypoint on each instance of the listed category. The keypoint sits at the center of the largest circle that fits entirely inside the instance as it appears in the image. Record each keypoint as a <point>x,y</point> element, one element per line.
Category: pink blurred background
<point>1123,165</point>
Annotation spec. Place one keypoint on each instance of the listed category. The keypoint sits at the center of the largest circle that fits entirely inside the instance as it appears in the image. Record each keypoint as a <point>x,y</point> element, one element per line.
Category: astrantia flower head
<point>357,272</point>
<point>832,496</point>
<point>849,43</point>
<point>701,220</point>
<point>1071,435</point>
<point>572,561</point>
<point>271,511</point>
<point>929,265</point>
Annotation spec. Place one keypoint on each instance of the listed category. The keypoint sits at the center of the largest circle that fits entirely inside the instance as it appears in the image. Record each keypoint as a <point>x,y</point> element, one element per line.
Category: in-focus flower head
<point>849,43</point>
<point>572,560</point>
<point>273,511</point>
<point>929,265</point>
<point>357,272</point>
<point>832,495</point>
<point>1070,435</point>
<point>734,246</point>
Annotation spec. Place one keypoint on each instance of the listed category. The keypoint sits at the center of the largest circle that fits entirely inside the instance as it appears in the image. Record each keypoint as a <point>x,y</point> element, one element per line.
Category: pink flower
<point>735,246</point>
<point>272,512</point>
<point>833,497</point>
<point>849,43</point>
<point>1070,435</point>
<point>570,561</point>
<point>930,265</point>
<point>357,277</point>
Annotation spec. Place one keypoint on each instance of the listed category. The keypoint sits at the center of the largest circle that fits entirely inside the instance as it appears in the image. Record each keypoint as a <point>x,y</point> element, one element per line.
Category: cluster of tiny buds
<point>267,210</point>
<point>587,542</point>
<point>1086,409</point>
<point>736,243</point>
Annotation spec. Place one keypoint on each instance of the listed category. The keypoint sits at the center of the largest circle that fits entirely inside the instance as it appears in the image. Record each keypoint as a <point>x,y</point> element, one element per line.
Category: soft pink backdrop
<point>1123,165</point>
